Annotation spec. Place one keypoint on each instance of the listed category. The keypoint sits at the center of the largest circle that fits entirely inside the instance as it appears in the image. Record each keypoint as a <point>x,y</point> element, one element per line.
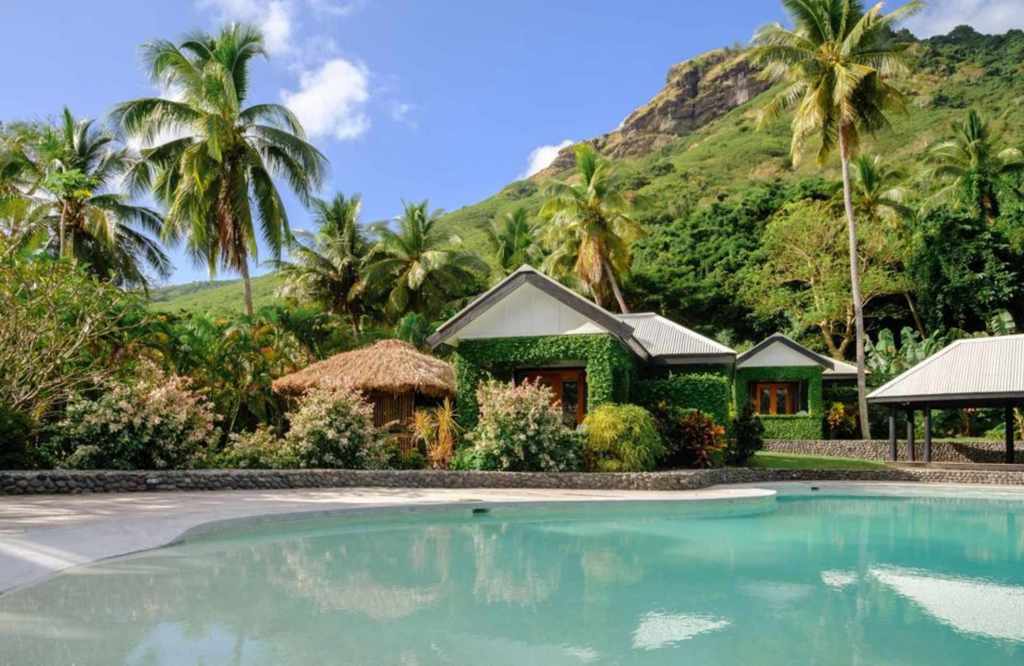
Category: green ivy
<point>610,367</point>
<point>791,427</point>
<point>707,392</point>
<point>798,426</point>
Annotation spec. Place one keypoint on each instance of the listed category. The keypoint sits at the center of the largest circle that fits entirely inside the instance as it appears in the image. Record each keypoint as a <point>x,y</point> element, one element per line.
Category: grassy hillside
<point>215,296</point>
<point>952,73</point>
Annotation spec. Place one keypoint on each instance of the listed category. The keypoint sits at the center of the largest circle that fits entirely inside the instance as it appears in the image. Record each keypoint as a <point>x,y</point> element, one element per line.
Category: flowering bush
<point>621,438</point>
<point>259,449</point>
<point>520,431</point>
<point>150,423</point>
<point>334,428</point>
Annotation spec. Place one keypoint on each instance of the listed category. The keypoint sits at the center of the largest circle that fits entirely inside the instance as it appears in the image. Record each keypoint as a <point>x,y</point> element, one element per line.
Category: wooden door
<point>568,387</point>
<point>775,398</point>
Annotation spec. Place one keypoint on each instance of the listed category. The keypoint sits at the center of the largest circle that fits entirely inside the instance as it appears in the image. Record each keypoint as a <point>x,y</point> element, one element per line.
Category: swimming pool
<point>797,579</point>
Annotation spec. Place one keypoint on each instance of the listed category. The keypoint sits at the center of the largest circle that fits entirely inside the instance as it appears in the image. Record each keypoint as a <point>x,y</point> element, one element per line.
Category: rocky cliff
<point>696,92</point>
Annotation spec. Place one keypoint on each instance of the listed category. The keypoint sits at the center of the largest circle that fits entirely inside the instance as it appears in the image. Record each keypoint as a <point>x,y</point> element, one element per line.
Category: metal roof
<point>664,339</point>
<point>973,371</point>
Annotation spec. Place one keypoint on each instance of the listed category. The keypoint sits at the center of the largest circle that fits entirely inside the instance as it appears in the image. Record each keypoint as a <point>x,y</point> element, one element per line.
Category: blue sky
<point>442,99</point>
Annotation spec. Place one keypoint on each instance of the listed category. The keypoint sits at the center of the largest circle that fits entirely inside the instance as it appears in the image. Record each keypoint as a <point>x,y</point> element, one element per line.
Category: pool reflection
<point>847,580</point>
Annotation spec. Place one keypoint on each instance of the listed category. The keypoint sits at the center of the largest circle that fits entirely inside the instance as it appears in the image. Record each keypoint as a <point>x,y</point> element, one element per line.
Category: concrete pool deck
<point>41,535</point>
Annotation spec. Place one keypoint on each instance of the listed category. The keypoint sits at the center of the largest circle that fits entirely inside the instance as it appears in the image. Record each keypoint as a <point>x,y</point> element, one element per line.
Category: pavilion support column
<point>893,454</point>
<point>910,434</point>
<point>927,434</point>
<point>1010,458</point>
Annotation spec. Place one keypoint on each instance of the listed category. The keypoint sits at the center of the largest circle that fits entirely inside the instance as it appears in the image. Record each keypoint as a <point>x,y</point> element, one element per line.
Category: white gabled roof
<point>832,369</point>
<point>663,337</point>
<point>650,336</point>
<point>971,369</point>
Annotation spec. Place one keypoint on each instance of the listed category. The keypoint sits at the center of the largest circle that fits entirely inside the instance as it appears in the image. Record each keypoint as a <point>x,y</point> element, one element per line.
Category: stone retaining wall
<point>878,449</point>
<point>73,482</point>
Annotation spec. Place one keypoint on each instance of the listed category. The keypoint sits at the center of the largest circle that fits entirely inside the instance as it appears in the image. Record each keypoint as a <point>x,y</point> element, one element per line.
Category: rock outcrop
<point>696,92</point>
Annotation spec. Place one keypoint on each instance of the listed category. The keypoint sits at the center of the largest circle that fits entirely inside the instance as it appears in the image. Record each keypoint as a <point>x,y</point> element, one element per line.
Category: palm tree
<point>513,242</point>
<point>591,228</point>
<point>326,268</point>
<point>73,196</point>
<point>836,61</point>
<point>878,197</point>
<point>973,165</point>
<point>420,267</point>
<point>215,172</point>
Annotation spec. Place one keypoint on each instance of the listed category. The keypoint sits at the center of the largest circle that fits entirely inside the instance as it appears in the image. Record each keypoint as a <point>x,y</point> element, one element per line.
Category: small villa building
<point>785,383</point>
<point>530,327</point>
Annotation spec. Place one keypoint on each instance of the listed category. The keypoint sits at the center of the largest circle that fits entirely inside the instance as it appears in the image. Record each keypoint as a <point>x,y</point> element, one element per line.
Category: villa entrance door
<point>569,386</point>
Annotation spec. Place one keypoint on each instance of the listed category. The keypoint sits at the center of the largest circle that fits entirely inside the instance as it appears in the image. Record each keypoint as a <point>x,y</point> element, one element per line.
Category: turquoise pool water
<point>799,580</point>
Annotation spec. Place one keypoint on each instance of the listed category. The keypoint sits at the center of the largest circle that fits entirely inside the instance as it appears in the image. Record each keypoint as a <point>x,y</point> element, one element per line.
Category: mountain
<point>696,141</point>
<point>214,296</point>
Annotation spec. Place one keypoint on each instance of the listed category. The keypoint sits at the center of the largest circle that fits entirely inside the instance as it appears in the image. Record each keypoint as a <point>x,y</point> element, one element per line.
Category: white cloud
<point>400,113</point>
<point>541,157</point>
<point>335,7</point>
<point>987,16</point>
<point>331,100</point>
<point>275,18</point>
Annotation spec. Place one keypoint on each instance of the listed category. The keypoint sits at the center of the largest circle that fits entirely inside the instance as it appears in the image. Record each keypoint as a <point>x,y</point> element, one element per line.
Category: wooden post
<point>893,455</point>
<point>910,434</point>
<point>927,434</point>
<point>1010,458</point>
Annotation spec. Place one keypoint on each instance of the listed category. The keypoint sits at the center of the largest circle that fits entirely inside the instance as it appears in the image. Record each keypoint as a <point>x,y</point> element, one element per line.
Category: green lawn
<point>769,460</point>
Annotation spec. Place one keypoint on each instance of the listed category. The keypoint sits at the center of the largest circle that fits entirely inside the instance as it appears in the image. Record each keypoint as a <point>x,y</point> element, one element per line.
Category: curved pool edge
<point>107,526</point>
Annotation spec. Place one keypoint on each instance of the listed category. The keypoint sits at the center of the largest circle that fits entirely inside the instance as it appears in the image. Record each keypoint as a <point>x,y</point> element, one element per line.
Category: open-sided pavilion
<point>975,372</point>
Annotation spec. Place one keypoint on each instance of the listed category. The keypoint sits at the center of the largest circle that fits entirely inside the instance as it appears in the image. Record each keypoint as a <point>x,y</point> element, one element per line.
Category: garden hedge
<point>792,427</point>
<point>610,367</point>
<point>708,392</point>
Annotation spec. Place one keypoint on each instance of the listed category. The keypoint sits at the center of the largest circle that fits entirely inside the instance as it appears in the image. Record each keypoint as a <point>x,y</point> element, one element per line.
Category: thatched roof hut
<point>391,373</point>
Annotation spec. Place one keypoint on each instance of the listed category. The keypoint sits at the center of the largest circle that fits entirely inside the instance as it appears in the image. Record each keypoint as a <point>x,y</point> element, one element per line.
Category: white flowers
<point>520,430</point>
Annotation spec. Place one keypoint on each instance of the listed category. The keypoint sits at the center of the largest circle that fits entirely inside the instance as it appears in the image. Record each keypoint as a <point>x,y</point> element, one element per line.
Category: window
<point>777,397</point>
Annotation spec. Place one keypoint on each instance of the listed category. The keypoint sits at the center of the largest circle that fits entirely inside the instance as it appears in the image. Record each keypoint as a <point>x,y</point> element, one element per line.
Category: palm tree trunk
<point>62,234</point>
<point>623,308</point>
<point>913,312</point>
<point>247,286</point>
<point>858,302</point>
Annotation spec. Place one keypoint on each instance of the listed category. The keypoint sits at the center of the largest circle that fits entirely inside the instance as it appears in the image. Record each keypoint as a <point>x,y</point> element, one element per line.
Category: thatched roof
<point>389,366</point>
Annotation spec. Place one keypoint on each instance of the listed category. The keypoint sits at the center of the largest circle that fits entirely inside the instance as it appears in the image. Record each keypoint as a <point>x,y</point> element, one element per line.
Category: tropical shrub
<point>746,438</point>
<point>151,423</point>
<point>700,443</point>
<point>234,360</point>
<point>399,457</point>
<point>15,439</point>
<point>621,438</point>
<point>257,449</point>
<point>334,428</point>
<point>437,431</point>
<point>520,430</point>
<point>841,423</point>
<point>61,332</point>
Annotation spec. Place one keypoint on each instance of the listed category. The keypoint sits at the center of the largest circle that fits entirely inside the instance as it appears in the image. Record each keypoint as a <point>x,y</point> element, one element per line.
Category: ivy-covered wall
<point>710,393</point>
<point>610,367</point>
<point>797,426</point>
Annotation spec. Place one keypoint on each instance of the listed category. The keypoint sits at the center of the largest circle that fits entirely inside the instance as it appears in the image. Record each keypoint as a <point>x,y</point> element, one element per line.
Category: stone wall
<point>70,482</point>
<point>877,449</point>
